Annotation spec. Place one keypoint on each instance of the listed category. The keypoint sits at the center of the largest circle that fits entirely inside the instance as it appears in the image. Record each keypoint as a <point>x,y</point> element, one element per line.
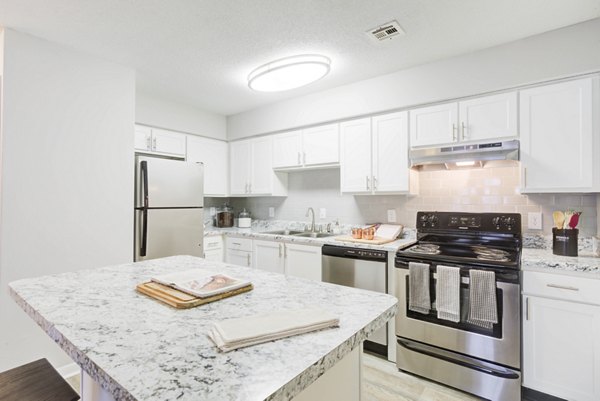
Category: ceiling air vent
<point>385,31</point>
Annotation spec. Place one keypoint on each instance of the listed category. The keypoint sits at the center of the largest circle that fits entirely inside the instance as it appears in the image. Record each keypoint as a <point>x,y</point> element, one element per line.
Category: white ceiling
<point>201,51</point>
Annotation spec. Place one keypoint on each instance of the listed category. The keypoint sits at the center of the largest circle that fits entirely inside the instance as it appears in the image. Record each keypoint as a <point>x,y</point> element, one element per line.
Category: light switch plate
<point>322,213</point>
<point>271,211</point>
<point>391,216</point>
<point>534,220</point>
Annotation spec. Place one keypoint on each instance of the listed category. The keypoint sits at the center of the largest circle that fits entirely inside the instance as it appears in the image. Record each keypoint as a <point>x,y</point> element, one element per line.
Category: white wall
<point>554,54</point>
<point>159,112</point>
<point>67,176</point>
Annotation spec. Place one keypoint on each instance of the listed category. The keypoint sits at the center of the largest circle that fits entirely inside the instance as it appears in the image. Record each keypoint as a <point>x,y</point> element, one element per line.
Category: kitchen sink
<point>283,232</point>
<point>313,235</point>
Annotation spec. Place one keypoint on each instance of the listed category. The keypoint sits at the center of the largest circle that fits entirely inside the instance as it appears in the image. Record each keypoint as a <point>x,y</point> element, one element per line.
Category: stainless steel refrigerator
<point>169,203</point>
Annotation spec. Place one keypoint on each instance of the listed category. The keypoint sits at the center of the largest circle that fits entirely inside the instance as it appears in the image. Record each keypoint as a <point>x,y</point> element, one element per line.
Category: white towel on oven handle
<point>483,308</point>
<point>418,277</point>
<point>447,290</point>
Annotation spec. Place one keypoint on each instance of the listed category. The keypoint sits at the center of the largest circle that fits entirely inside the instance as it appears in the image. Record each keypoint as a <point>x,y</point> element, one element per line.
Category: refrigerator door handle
<point>144,173</point>
<point>144,241</point>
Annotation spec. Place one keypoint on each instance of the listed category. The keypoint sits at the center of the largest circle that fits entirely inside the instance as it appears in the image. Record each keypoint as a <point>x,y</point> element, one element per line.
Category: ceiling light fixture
<point>289,73</point>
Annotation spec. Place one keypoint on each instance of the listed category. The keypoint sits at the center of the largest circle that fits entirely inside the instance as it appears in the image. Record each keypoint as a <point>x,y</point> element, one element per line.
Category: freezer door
<point>169,232</point>
<point>170,183</point>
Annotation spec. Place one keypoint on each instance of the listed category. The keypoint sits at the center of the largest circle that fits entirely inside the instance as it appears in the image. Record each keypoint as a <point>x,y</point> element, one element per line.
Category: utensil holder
<point>564,242</point>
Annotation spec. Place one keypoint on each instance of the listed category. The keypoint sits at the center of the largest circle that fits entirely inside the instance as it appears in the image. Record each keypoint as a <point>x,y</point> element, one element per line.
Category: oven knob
<point>496,221</point>
<point>433,219</point>
<point>424,218</point>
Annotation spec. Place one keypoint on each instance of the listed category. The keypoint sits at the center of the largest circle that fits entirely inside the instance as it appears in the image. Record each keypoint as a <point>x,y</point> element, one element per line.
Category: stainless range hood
<point>474,152</point>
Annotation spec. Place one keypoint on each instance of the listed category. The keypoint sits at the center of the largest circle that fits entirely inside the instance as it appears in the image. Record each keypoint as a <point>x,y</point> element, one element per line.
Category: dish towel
<point>231,334</point>
<point>418,278</point>
<point>447,289</point>
<point>483,310</point>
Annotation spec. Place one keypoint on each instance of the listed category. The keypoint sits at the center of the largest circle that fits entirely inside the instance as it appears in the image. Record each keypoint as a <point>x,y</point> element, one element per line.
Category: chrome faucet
<point>312,224</point>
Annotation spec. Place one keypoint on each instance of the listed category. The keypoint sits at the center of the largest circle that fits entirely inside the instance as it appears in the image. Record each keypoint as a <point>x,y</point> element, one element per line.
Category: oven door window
<point>495,331</point>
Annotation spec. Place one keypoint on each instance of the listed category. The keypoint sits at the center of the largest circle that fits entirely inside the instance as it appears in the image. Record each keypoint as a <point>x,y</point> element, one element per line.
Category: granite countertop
<point>140,349</point>
<point>544,260</point>
<point>261,233</point>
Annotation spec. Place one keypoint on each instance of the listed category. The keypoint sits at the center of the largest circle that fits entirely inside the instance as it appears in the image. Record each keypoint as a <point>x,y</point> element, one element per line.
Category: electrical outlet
<point>534,220</point>
<point>271,212</point>
<point>322,213</point>
<point>213,211</point>
<point>391,215</point>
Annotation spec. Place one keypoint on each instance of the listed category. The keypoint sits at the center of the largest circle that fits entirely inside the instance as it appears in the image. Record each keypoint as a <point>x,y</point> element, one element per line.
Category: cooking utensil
<point>574,220</point>
<point>568,215</point>
<point>559,219</point>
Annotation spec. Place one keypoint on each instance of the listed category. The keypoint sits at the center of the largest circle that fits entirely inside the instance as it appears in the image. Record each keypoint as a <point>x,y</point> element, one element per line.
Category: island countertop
<point>139,349</point>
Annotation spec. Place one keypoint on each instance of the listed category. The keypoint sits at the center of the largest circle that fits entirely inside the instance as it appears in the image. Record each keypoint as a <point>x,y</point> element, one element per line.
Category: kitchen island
<point>131,347</point>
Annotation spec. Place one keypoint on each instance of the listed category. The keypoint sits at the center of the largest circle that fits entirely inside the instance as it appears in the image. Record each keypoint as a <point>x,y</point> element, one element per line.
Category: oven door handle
<point>467,362</point>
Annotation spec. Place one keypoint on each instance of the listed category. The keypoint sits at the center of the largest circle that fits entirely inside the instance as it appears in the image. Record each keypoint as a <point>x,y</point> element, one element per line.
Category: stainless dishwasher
<point>359,268</point>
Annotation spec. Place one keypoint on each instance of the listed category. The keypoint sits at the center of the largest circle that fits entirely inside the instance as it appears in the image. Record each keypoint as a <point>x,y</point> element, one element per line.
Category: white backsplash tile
<point>493,189</point>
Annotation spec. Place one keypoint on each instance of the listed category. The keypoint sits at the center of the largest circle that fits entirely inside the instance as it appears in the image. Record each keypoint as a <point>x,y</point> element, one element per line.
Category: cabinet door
<point>355,156</point>
<point>143,138</point>
<point>239,167</point>
<point>287,150</point>
<point>557,137</point>
<point>240,258</point>
<point>561,348</point>
<point>214,255</point>
<point>489,117</point>
<point>268,255</point>
<point>390,153</point>
<point>303,261</point>
<point>214,155</point>
<point>169,142</point>
<point>262,168</point>
<point>321,145</point>
<point>434,125</point>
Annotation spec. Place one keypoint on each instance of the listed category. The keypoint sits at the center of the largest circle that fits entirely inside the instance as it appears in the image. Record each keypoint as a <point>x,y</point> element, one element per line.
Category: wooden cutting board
<point>374,241</point>
<point>181,300</point>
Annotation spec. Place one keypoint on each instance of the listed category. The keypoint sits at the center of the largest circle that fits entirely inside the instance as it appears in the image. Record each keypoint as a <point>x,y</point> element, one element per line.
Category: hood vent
<point>385,31</point>
<point>463,154</point>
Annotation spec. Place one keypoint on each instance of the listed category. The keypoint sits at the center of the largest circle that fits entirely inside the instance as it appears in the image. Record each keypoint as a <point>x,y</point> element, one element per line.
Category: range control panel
<point>490,222</point>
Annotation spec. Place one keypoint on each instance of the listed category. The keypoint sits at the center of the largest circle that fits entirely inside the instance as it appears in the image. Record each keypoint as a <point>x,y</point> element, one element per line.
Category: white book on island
<point>201,283</point>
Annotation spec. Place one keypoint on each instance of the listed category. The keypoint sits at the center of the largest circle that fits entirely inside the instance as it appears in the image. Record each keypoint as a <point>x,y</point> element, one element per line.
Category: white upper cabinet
<point>489,117</point>
<point>374,155</point>
<point>214,155</point>
<point>390,153</point>
<point>287,150</point>
<point>311,147</point>
<point>560,137</point>
<point>434,125</point>
<point>251,169</point>
<point>479,119</point>
<point>355,151</point>
<point>321,145</point>
<point>154,140</point>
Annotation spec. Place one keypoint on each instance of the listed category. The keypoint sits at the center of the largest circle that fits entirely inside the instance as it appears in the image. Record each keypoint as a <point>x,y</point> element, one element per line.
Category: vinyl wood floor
<point>383,382</point>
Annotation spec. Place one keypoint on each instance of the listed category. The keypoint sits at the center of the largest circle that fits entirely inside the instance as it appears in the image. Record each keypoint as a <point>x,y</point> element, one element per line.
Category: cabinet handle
<point>280,249</point>
<point>248,259</point>
<point>464,128</point>
<point>562,287</point>
<point>154,143</point>
<point>374,182</point>
<point>149,143</point>
<point>249,187</point>
<point>284,251</point>
<point>454,132</point>
<point>526,308</point>
<point>367,177</point>
<point>303,157</point>
<point>299,158</point>
<point>237,243</point>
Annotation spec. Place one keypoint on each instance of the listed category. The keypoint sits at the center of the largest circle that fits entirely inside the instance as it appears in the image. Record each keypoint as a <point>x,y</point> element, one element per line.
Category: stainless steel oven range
<point>444,338</point>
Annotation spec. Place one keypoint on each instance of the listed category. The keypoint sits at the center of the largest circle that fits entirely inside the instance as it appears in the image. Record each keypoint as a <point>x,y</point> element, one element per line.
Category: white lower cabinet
<point>290,259</point>
<point>561,335</point>
<point>238,251</point>
<point>213,248</point>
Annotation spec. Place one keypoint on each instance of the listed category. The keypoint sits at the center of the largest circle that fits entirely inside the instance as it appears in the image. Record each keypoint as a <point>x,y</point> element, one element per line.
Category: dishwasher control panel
<point>354,253</point>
